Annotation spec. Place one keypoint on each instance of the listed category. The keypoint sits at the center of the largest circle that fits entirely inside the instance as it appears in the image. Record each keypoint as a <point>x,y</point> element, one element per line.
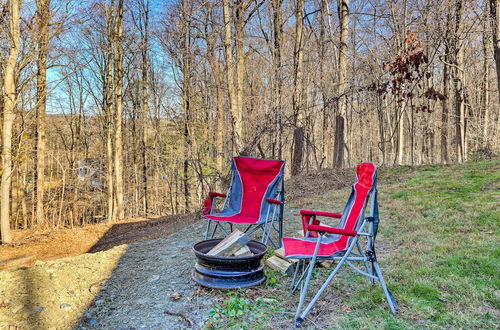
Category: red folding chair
<point>342,244</point>
<point>255,199</point>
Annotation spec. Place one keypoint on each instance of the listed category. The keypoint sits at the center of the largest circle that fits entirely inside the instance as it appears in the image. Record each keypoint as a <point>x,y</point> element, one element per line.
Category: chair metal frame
<point>272,224</point>
<point>367,229</point>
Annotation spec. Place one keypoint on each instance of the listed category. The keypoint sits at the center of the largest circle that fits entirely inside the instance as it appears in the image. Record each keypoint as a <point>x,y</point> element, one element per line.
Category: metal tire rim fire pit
<point>221,272</point>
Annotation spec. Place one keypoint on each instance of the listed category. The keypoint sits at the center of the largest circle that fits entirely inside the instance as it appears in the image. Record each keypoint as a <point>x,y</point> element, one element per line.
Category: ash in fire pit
<point>229,272</point>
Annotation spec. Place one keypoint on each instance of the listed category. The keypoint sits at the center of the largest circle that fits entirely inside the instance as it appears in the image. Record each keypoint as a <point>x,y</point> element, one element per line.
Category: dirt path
<point>126,286</point>
<point>145,284</point>
<point>32,246</point>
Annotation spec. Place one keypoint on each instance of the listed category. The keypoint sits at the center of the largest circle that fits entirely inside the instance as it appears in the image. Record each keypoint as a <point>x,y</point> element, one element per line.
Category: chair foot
<point>395,309</point>
<point>298,322</point>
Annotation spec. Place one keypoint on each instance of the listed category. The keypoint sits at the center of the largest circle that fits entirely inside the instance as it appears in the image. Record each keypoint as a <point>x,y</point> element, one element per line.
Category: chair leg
<point>301,267</point>
<point>214,231</point>
<point>295,273</point>
<point>280,231</point>
<point>300,318</point>
<point>208,229</point>
<point>367,266</point>
<point>303,290</point>
<point>390,298</point>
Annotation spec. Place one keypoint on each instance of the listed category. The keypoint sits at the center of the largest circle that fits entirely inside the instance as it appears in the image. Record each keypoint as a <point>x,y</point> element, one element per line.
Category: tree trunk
<point>186,95</point>
<point>240,73</point>
<point>145,108</point>
<point>446,89</point>
<point>278,79</point>
<point>108,112</point>
<point>495,27</point>
<point>341,118</point>
<point>298,135</point>
<point>211,40</point>
<point>459,84</point>
<point>233,102</point>
<point>10,100</point>
<point>486,85</point>
<point>43,18</point>
<point>118,77</point>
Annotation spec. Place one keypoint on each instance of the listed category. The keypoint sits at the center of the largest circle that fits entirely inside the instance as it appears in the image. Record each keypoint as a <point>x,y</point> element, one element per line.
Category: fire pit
<point>221,272</point>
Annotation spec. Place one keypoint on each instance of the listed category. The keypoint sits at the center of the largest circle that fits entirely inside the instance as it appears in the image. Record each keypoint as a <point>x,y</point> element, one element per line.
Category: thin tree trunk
<point>240,73</point>
<point>108,112</point>
<point>298,134</point>
<point>446,90</point>
<point>145,108</point>
<point>118,79</point>
<point>495,27</point>
<point>330,139</point>
<point>22,196</point>
<point>10,100</point>
<point>278,79</point>
<point>186,104</point>
<point>233,102</point>
<point>486,85</point>
<point>458,54</point>
<point>341,118</point>
<point>43,17</point>
<point>216,71</point>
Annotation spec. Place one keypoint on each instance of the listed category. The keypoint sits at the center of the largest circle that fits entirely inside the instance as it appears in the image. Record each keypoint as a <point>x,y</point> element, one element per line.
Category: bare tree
<point>298,134</point>
<point>145,106</point>
<point>10,101</point>
<point>43,18</point>
<point>233,100</point>
<point>341,118</point>
<point>118,84</point>
<point>108,109</point>
<point>495,27</point>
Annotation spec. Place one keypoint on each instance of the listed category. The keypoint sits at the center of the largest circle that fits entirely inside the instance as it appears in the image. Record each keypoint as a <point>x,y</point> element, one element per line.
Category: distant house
<point>90,172</point>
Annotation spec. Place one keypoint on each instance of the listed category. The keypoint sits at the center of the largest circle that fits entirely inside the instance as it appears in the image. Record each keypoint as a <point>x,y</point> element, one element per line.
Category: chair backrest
<point>366,182</point>
<point>254,180</point>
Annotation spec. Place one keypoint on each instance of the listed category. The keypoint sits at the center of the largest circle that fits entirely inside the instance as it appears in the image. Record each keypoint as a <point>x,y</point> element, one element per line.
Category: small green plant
<point>238,312</point>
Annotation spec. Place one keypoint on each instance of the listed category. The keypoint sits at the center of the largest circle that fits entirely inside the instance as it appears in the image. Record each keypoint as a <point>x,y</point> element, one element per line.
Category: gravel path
<point>142,289</point>
<point>128,287</point>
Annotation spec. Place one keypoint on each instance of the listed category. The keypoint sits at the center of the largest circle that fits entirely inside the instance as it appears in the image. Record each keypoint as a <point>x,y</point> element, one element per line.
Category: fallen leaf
<point>175,296</point>
<point>347,309</point>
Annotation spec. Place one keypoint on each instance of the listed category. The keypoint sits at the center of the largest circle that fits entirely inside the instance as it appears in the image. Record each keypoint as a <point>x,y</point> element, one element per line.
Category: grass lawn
<point>438,246</point>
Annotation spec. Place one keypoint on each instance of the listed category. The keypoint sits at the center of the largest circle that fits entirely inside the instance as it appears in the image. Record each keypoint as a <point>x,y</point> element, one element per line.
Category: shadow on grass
<point>124,233</point>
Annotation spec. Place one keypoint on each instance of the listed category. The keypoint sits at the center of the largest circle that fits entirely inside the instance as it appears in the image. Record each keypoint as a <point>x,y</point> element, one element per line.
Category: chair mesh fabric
<point>352,218</point>
<point>253,182</point>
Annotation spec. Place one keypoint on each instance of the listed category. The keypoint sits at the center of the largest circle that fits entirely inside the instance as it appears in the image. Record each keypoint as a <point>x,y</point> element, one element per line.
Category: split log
<point>280,265</point>
<point>325,263</point>
<point>280,253</point>
<point>230,245</point>
<point>244,251</point>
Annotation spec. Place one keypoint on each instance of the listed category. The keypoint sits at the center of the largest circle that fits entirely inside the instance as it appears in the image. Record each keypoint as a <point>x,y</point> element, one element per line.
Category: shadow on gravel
<point>151,286</point>
<point>31,303</point>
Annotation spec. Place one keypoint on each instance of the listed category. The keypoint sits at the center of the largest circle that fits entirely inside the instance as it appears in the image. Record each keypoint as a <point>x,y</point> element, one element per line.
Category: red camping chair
<point>255,199</point>
<point>327,243</point>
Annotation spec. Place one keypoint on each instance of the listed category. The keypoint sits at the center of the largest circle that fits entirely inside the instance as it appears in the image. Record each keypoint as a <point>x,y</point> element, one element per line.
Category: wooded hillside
<point>125,108</point>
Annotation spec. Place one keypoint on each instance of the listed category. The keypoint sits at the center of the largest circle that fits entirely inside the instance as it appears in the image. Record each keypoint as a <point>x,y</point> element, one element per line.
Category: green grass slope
<point>438,246</point>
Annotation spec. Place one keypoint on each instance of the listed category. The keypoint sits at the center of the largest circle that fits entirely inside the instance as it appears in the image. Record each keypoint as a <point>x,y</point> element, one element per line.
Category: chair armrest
<point>323,214</point>
<point>332,230</point>
<point>274,201</point>
<point>216,194</point>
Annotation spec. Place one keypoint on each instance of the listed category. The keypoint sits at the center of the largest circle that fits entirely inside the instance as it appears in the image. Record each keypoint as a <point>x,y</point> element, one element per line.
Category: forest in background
<point>128,108</point>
